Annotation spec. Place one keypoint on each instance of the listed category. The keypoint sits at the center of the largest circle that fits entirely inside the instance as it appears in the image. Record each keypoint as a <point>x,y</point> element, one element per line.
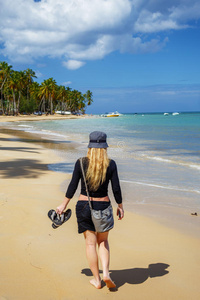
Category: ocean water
<point>158,156</point>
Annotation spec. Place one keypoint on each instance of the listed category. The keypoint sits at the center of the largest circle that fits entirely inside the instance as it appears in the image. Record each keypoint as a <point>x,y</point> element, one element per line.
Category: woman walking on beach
<point>99,170</point>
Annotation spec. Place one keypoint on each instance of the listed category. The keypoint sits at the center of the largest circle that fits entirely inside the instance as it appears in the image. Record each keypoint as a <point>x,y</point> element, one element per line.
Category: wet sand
<point>148,260</point>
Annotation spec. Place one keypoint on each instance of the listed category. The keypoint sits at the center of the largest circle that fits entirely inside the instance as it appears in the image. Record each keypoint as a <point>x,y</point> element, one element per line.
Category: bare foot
<point>96,284</point>
<point>110,284</point>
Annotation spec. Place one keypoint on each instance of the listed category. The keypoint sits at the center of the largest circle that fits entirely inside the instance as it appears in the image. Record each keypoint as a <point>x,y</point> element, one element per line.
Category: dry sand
<point>148,260</point>
<point>33,117</point>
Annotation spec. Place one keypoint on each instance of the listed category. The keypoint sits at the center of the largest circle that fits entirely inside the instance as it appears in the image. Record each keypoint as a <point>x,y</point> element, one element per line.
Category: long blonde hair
<point>98,164</point>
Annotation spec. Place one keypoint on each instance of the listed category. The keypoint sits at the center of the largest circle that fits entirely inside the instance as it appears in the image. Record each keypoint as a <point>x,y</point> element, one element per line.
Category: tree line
<point>20,94</point>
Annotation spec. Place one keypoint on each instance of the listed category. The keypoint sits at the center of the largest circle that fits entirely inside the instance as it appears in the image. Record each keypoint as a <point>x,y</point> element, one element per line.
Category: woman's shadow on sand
<point>134,275</point>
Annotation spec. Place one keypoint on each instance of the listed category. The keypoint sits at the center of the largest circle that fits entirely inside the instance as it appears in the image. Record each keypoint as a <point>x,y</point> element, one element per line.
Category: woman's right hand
<point>60,209</point>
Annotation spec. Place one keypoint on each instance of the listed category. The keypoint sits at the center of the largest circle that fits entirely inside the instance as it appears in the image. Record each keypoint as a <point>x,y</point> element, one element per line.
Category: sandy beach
<point>33,117</point>
<point>148,260</point>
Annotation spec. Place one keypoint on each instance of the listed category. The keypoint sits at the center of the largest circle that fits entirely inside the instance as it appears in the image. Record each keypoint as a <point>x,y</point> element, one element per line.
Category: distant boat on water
<point>62,112</point>
<point>173,114</point>
<point>112,114</point>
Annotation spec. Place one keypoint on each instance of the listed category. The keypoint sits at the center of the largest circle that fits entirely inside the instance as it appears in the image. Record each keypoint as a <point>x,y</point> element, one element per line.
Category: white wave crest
<point>161,186</point>
<point>165,160</point>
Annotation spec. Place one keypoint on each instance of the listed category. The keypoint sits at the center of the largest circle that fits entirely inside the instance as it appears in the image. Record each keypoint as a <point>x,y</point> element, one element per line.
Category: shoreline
<point>38,262</point>
<point>171,216</point>
<point>32,117</point>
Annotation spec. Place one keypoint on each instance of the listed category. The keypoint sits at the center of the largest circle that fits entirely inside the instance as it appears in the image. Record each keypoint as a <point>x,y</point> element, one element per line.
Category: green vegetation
<point>21,94</point>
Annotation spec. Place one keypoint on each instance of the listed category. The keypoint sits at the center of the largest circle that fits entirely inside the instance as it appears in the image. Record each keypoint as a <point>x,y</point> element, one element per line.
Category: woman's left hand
<point>120,211</point>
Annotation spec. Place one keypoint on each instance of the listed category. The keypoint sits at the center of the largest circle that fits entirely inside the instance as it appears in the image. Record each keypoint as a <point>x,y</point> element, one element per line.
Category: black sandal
<point>57,219</point>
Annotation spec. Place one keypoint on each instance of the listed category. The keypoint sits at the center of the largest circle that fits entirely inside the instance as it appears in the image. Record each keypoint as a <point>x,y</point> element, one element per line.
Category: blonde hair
<point>98,164</point>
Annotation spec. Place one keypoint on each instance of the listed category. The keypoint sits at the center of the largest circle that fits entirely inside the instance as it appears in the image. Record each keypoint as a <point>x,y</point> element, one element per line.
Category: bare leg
<point>104,254</point>
<point>91,253</point>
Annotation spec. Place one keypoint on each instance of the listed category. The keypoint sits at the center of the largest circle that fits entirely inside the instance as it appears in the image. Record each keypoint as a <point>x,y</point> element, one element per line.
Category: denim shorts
<point>83,214</point>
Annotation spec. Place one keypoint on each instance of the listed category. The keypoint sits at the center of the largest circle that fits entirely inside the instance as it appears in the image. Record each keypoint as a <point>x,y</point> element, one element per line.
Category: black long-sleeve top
<point>102,191</point>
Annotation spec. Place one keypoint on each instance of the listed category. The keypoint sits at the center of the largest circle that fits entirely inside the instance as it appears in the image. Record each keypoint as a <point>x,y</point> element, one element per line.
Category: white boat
<point>62,112</point>
<point>113,114</point>
<point>166,114</point>
<point>175,114</point>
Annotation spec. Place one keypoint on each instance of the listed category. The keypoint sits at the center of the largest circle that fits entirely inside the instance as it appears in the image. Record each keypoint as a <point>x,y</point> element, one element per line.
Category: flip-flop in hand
<point>57,219</point>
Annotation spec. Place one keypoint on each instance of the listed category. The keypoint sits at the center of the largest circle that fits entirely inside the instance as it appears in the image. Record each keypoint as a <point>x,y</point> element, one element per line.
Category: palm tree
<point>62,96</point>
<point>53,90</point>
<point>48,90</point>
<point>89,97</point>
<point>19,90</point>
<point>17,84</point>
<point>74,101</point>
<point>68,98</point>
<point>13,85</point>
<point>21,84</point>
<point>7,94</point>
<point>29,74</point>
<point>5,70</point>
<point>82,104</point>
<point>34,91</point>
<point>43,94</point>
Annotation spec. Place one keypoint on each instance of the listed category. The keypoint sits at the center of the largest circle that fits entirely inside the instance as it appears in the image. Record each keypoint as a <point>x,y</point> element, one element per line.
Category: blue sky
<point>134,55</point>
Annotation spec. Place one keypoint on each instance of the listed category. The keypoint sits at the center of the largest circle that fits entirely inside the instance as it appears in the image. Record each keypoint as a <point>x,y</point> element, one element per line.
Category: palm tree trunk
<point>2,106</point>
<point>9,107</point>
<point>50,104</point>
<point>44,104</point>
<point>18,102</point>
<point>27,96</point>
<point>14,104</point>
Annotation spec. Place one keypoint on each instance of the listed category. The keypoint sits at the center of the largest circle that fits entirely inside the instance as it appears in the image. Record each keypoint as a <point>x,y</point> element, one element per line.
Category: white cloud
<point>73,64</point>
<point>81,30</point>
<point>155,22</point>
<point>67,83</point>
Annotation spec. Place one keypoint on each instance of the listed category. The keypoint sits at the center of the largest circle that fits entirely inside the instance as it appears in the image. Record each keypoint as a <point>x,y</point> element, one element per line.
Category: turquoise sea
<point>158,156</point>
